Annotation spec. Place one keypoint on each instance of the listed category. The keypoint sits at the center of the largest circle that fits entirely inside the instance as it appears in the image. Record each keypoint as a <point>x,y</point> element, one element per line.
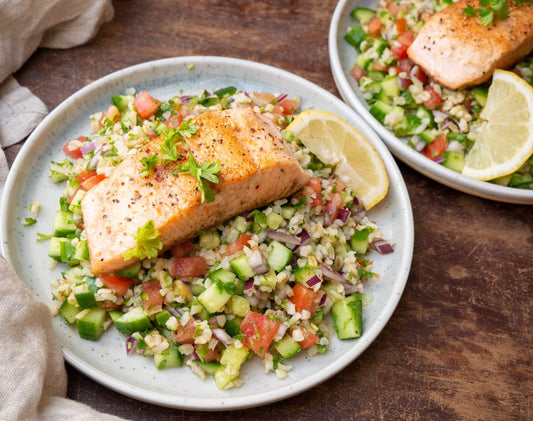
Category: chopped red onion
<point>176,312</point>
<point>248,285</point>
<point>195,355</point>
<point>359,215</point>
<point>402,83</point>
<point>440,115</point>
<point>382,246</point>
<point>185,97</point>
<point>315,279</point>
<point>281,97</point>
<point>87,147</point>
<point>283,237</point>
<point>305,238</point>
<point>94,160</point>
<point>439,159</point>
<point>333,276</point>
<point>131,344</point>
<point>222,336</point>
<point>323,300</point>
<point>418,143</point>
<point>343,214</point>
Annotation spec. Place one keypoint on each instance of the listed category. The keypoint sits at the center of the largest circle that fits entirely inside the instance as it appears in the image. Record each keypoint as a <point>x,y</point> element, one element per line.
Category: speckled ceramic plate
<point>342,58</point>
<point>106,361</point>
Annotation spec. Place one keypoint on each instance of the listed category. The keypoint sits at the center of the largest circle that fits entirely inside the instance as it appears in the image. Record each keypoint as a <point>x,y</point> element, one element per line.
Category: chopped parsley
<point>148,242</point>
<point>206,172</point>
<point>491,9</point>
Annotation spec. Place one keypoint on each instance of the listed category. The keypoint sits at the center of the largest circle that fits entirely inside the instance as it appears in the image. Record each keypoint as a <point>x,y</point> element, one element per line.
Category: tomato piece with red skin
<point>401,25</point>
<point>145,104</point>
<point>309,339</point>
<point>188,266</point>
<point>418,73</point>
<point>89,183</point>
<point>332,209</point>
<point>182,249</point>
<point>434,99</point>
<point>74,153</point>
<point>118,284</point>
<point>374,27</point>
<point>401,44</point>
<point>151,297</point>
<point>212,355</point>
<point>312,190</point>
<point>357,72</point>
<point>174,121</point>
<point>304,298</point>
<point>184,334</point>
<point>259,331</point>
<point>436,147</point>
<point>84,175</point>
<point>289,105</point>
<point>238,244</point>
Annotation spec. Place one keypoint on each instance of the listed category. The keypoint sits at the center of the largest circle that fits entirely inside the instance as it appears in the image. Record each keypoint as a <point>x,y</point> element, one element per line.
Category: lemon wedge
<point>336,142</point>
<point>504,140</point>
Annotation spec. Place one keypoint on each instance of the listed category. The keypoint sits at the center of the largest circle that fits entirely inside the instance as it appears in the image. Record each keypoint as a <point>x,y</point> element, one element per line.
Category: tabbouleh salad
<point>262,283</point>
<point>436,121</point>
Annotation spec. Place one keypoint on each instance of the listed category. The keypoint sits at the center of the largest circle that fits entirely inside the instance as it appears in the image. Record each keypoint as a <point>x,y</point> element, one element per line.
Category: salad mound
<point>440,123</point>
<point>262,283</point>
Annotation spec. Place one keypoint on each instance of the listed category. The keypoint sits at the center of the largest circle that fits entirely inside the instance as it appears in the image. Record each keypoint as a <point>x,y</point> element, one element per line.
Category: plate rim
<point>403,152</point>
<point>172,401</point>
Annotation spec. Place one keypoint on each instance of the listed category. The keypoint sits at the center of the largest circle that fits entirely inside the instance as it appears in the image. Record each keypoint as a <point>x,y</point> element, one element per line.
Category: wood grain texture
<point>458,345</point>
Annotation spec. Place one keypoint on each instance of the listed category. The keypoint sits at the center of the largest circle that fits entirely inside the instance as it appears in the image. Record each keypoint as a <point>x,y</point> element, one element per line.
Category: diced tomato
<point>434,100</point>
<point>184,334</point>
<point>69,200</point>
<point>357,72</point>
<point>174,121</point>
<point>259,331</point>
<point>212,355</point>
<point>238,244</point>
<point>152,298</point>
<point>118,284</point>
<point>92,181</point>
<point>182,249</point>
<point>145,104</point>
<point>379,66</point>
<point>264,97</point>
<point>84,175</point>
<point>108,305</point>
<point>289,105</point>
<point>188,267</point>
<point>437,147</point>
<point>374,27</point>
<point>393,7</point>
<point>401,25</point>
<point>401,44</point>
<point>419,74</point>
<point>309,337</point>
<point>312,190</point>
<point>304,298</point>
<point>75,153</point>
<point>332,209</point>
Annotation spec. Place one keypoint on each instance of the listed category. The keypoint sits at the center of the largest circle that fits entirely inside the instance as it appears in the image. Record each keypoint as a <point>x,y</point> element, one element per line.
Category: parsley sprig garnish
<point>491,9</point>
<point>148,242</point>
<point>206,172</point>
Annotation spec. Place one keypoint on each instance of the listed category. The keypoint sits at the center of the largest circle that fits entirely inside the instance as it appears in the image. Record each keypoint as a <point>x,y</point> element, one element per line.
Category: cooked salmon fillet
<point>257,167</point>
<point>459,51</point>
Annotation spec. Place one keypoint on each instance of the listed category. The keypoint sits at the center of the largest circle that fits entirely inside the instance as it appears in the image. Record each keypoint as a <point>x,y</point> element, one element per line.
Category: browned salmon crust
<point>257,167</point>
<point>459,51</point>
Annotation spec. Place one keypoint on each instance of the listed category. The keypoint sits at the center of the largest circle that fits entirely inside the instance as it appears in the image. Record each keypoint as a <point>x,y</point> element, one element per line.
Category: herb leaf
<point>492,8</point>
<point>148,242</point>
<point>207,171</point>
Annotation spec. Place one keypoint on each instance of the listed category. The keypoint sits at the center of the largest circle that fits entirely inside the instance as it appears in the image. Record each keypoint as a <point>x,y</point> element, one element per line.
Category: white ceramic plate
<point>342,58</point>
<point>105,361</point>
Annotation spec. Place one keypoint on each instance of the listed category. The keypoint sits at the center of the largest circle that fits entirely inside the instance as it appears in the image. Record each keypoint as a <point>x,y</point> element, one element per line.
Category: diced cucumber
<point>68,312</point>
<point>274,220</point>
<point>423,113</point>
<point>231,362</point>
<point>454,161</point>
<point>197,289</point>
<point>240,306</point>
<point>75,204</point>
<point>390,86</point>
<point>348,317</point>
<point>363,61</point>
<point>59,171</point>
<point>303,273</point>
<point>209,240</point>
<point>386,17</point>
<point>233,326</point>
<point>288,212</point>
<point>379,110</point>
<point>86,299</point>
<point>134,320</point>
<point>379,45</point>
<point>480,94</point>
<point>215,297</point>
<point>287,347</point>
<point>355,35</point>
<point>162,317</point>
<point>208,367</point>
<point>362,14</point>
<point>68,252</point>
<point>81,251</point>
<point>131,271</point>
<point>63,224</point>
<point>241,224</point>
<point>242,268</point>
<point>279,256</point>
<point>376,75</point>
<point>121,101</point>
<point>170,357</point>
<point>92,324</point>
<point>54,248</point>
<point>359,241</point>
<point>428,135</point>
<point>269,280</point>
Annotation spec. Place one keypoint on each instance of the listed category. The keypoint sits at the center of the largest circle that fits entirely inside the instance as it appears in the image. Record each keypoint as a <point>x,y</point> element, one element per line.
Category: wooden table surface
<point>459,343</point>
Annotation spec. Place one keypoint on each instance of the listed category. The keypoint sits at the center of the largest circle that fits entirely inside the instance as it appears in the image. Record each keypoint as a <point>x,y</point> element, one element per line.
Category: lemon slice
<point>504,140</point>
<point>336,142</point>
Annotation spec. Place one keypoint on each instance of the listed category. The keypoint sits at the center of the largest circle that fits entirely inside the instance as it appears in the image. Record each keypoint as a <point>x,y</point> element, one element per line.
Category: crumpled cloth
<point>33,379</point>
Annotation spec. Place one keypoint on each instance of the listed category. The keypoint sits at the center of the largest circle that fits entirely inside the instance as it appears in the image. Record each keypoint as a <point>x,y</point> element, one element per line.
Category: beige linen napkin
<point>33,379</point>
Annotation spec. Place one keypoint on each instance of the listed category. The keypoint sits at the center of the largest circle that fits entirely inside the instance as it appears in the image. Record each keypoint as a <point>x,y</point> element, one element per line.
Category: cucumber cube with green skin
<point>67,251</point>
<point>359,241</point>
<point>233,326</point>
<point>380,110</point>
<point>68,312</point>
<point>242,268</point>
<point>170,357</point>
<point>54,248</point>
<point>91,325</point>
<point>86,299</point>
<point>348,317</point>
<point>274,220</point>
<point>134,320</point>
<point>122,101</point>
<point>288,212</point>
<point>390,86</point>
<point>162,317</point>
<point>231,361</point>
<point>362,14</point>
<point>209,240</point>
<point>454,161</point>
<point>81,251</point>
<point>480,94</point>
<point>240,306</point>
<point>269,280</point>
<point>355,36</point>
<point>303,273</point>
<point>75,204</point>
<point>214,298</point>
<point>279,256</point>
<point>208,367</point>
<point>64,224</point>
<point>130,271</point>
<point>287,347</point>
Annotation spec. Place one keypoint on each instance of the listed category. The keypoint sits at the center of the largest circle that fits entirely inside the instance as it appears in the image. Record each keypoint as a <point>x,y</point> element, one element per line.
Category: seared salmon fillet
<point>459,51</point>
<point>257,167</point>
